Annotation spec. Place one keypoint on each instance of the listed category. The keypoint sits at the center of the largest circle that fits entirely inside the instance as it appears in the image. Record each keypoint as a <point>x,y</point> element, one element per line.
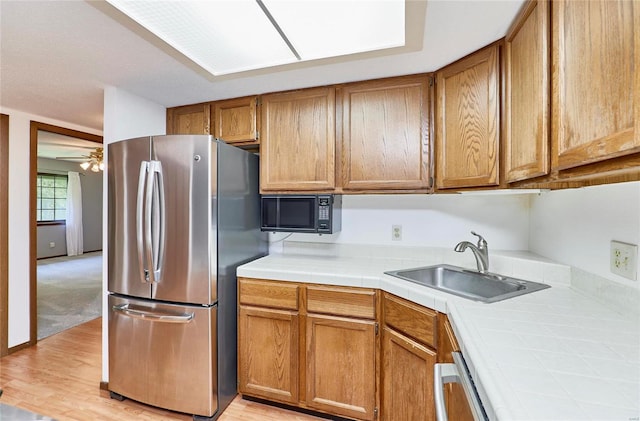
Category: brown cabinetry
<point>408,357</point>
<point>527,91</point>
<point>596,86</point>
<point>468,121</point>
<point>341,365</point>
<point>386,134</point>
<point>311,346</point>
<point>189,119</point>
<point>457,406</point>
<point>235,120</point>
<point>297,148</point>
<point>268,324</point>
<point>341,351</point>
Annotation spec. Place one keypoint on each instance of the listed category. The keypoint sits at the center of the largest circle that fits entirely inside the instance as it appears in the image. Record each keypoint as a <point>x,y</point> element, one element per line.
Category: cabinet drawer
<point>359,303</point>
<point>256,292</point>
<point>411,319</point>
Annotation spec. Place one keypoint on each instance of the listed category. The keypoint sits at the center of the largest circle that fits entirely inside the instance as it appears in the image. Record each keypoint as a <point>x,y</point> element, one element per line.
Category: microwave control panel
<point>327,208</point>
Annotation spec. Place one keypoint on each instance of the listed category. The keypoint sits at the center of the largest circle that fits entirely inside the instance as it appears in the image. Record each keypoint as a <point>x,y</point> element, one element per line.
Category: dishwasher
<point>456,372</point>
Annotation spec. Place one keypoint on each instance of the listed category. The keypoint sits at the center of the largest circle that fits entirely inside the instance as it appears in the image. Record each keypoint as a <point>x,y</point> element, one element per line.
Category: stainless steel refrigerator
<point>183,214</point>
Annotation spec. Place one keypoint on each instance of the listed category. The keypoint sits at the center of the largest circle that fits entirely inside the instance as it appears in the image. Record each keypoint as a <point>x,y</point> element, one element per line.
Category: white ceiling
<point>56,57</point>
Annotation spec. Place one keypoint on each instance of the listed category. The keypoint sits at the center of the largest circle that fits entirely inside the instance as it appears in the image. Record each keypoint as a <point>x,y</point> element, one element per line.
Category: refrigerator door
<point>163,355</point>
<point>187,271</point>
<point>127,171</point>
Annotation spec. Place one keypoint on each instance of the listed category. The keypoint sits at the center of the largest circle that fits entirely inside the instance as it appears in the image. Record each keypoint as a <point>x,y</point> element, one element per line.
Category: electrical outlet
<point>52,245</point>
<point>396,232</point>
<point>624,259</point>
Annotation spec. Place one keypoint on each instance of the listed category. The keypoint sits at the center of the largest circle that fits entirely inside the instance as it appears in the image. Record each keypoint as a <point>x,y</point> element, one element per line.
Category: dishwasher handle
<point>455,373</point>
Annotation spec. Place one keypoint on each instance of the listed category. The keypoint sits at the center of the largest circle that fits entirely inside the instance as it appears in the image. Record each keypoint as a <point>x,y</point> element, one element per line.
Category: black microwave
<point>318,213</point>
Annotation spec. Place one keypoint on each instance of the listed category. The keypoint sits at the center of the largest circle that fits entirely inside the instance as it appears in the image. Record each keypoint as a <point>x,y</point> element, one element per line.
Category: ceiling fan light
<point>101,166</point>
<point>85,165</point>
<point>95,168</point>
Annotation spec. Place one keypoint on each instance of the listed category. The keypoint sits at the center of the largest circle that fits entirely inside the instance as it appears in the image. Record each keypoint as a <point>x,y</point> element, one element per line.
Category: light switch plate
<point>624,258</point>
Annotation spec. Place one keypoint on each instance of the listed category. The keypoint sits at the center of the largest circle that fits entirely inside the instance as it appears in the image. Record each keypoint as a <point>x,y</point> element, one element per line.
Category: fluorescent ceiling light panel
<point>221,36</point>
<point>329,28</point>
<point>229,36</point>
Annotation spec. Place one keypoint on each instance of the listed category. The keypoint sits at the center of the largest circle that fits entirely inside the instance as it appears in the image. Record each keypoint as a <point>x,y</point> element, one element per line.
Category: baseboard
<point>104,386</point>
<point>19,347</point>
<point>63,255</point>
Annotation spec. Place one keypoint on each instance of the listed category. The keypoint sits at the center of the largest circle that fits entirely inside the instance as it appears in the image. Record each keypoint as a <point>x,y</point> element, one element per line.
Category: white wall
<point>430,220</point>
<point>576,226</point>
<point>19,158</point>
<point>125,116</point>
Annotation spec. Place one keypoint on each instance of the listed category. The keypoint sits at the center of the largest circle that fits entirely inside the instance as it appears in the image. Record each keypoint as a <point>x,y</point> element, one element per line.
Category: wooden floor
<point>60,378</point>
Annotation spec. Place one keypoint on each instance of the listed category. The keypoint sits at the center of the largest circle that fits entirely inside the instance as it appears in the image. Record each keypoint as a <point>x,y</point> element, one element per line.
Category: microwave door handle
<point>140,204</point>
<point>159,211</point>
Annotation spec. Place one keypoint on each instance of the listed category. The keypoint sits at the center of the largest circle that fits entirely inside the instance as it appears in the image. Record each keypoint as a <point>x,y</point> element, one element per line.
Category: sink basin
<point>484,287</point>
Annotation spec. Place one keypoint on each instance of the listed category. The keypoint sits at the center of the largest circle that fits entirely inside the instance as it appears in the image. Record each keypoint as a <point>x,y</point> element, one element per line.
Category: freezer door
<point>125,169</point>
<point>188,272</point>
<point>163,355</point>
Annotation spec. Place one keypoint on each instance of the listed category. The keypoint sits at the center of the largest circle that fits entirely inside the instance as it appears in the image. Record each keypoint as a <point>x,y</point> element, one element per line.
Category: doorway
<point>4,235</point>
<point>46,215</point>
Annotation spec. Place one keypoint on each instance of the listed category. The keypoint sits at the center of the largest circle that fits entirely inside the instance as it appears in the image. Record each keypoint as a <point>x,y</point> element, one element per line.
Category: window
<point>51,198</point>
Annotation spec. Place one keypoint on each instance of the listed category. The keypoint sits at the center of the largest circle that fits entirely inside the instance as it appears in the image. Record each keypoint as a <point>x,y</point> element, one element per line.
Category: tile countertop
<point>556,354</point>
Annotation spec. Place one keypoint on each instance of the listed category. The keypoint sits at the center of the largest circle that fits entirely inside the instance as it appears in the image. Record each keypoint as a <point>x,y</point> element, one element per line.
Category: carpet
<point>69,292</point>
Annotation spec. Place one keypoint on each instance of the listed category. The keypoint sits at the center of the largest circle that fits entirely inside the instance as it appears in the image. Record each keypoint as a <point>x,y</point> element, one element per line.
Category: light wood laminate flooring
<point>60,378</point>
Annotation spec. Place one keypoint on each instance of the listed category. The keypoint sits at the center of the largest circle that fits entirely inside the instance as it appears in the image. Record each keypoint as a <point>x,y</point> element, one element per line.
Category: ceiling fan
<point>94,160</point>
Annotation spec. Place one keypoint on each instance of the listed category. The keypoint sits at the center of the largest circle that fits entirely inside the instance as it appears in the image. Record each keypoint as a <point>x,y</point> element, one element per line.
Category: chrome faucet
<point>481,252</point>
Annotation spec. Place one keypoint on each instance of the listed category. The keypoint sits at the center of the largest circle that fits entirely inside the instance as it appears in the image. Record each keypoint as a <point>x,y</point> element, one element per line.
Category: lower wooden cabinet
<point>269,354</point>
<point>311,346</point>
<point>456,401</point>
<point>319,347</point>
<point>408,359</point>
<point>407,385</point>
<point>341,366</point>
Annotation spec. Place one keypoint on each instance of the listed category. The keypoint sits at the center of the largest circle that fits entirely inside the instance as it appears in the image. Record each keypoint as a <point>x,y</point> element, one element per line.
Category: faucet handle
<point>482,243</point>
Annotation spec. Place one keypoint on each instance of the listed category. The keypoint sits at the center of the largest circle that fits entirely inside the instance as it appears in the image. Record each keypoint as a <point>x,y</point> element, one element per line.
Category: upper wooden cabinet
<point>468,121</point>
<point>297,148</point>
<point>189,119</point>
<point>386,134</point>
<point>235,120</point>
<point>527,86</point>
<point>596,85</point>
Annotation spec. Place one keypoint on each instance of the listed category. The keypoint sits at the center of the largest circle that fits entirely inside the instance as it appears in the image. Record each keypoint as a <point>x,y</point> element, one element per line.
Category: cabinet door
<point>596,86</point>
<point>385,134</point>
<point>527,69</point>
<point>456,400</point>
<point>268,361</point>
<point>341,366</point>
<point>297,149</point>
<point>189,119</point>
<point>235,120</point>
<point>468,121</point>
<point>407,379</point>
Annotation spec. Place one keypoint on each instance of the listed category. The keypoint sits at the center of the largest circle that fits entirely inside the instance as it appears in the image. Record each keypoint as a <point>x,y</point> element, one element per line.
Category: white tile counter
<point>555,354</point>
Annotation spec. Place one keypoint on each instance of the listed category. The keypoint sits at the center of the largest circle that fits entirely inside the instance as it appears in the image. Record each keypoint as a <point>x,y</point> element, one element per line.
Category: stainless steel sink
<point>485,287</point>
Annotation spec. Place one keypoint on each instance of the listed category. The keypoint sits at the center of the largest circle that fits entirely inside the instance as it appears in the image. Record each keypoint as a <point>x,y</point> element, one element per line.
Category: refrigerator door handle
<point>155,170</point>
<point>153,316</point>
<point>140,205</point>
